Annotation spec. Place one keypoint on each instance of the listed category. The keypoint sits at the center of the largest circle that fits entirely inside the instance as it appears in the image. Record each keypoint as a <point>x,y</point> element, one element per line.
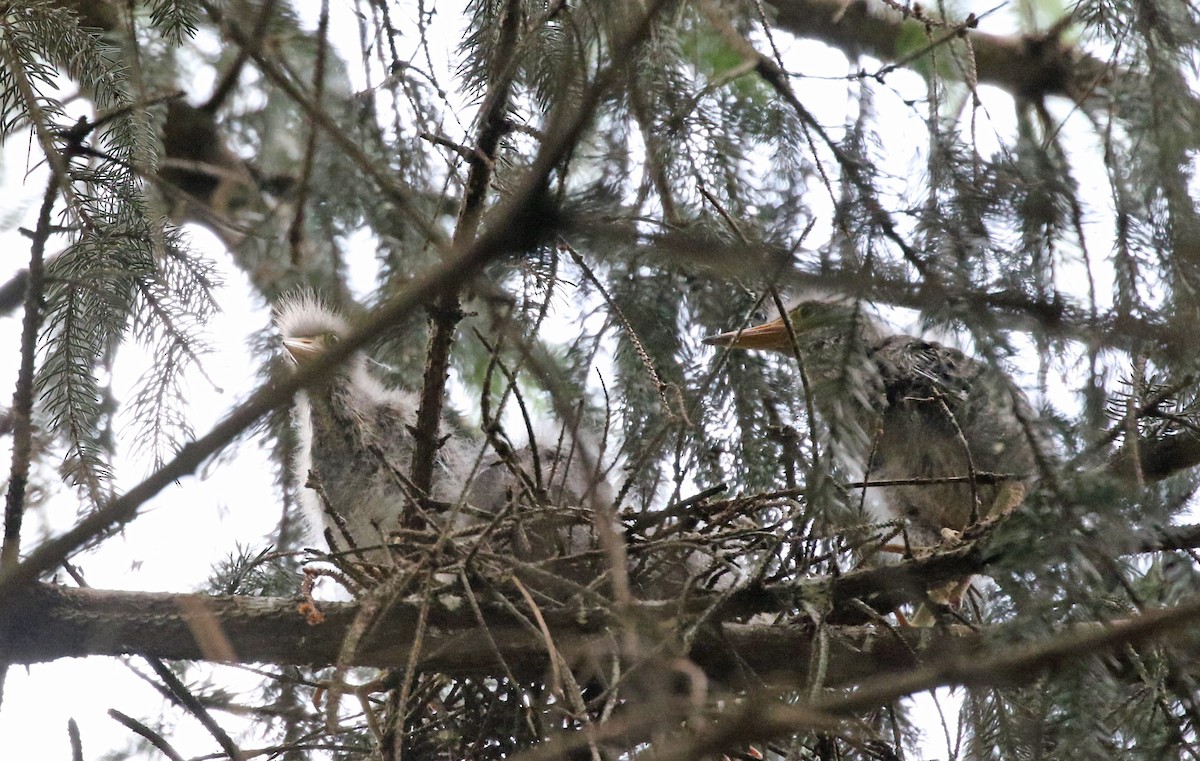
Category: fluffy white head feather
<point>304,314</point>
<point>308,325</point>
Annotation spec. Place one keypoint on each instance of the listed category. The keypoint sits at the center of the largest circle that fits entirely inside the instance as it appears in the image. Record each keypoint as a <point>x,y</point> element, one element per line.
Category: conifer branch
<point>22,406</point>
<point>446,312</point>
<point>48,623</point>
<point>1027,65</point>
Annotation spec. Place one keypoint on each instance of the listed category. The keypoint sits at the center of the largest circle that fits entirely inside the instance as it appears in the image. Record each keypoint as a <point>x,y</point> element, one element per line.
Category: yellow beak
<point>304,349</point>
<point>772,335</point>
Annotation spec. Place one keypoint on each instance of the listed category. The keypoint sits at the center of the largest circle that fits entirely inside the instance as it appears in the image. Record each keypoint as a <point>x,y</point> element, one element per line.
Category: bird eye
<point>330,338</point>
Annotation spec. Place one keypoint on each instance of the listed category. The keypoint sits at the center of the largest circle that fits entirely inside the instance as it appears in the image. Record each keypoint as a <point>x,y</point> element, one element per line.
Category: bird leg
<point>1009,498</point>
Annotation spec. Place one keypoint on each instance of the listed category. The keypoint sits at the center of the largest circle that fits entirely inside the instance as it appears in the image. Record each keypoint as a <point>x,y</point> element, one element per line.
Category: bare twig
<point>182,696</point>
<point>296,228</point>
<point>155,739</point>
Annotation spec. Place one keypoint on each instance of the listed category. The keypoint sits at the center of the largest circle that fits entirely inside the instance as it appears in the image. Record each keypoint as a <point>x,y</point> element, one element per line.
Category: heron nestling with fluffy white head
<point>354,433</point>
<point>355,437</point>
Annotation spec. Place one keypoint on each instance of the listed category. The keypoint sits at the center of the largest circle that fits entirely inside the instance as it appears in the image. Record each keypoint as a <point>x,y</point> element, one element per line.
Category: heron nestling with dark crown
<point>920,412</point>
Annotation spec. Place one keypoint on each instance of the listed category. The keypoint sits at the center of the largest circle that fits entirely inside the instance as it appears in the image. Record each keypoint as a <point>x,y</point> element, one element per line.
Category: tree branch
<point>52,622</point>
<point>22,406</point>
<point>446,313</point>
<point>1025,65</point>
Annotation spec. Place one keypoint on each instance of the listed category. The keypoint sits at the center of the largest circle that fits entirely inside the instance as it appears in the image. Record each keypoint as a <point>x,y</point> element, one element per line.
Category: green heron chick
<point>917,411</point>
<point>356,435</point>
<point>354,432</point>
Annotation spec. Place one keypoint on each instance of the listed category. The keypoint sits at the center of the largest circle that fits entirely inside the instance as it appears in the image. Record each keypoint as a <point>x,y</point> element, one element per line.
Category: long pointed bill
<point>303,349</point>
<point>772,335</point>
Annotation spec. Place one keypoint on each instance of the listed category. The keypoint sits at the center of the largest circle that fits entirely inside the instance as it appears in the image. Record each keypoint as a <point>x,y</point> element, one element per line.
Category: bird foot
<point>949,595</point>
<point>950,536</point>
